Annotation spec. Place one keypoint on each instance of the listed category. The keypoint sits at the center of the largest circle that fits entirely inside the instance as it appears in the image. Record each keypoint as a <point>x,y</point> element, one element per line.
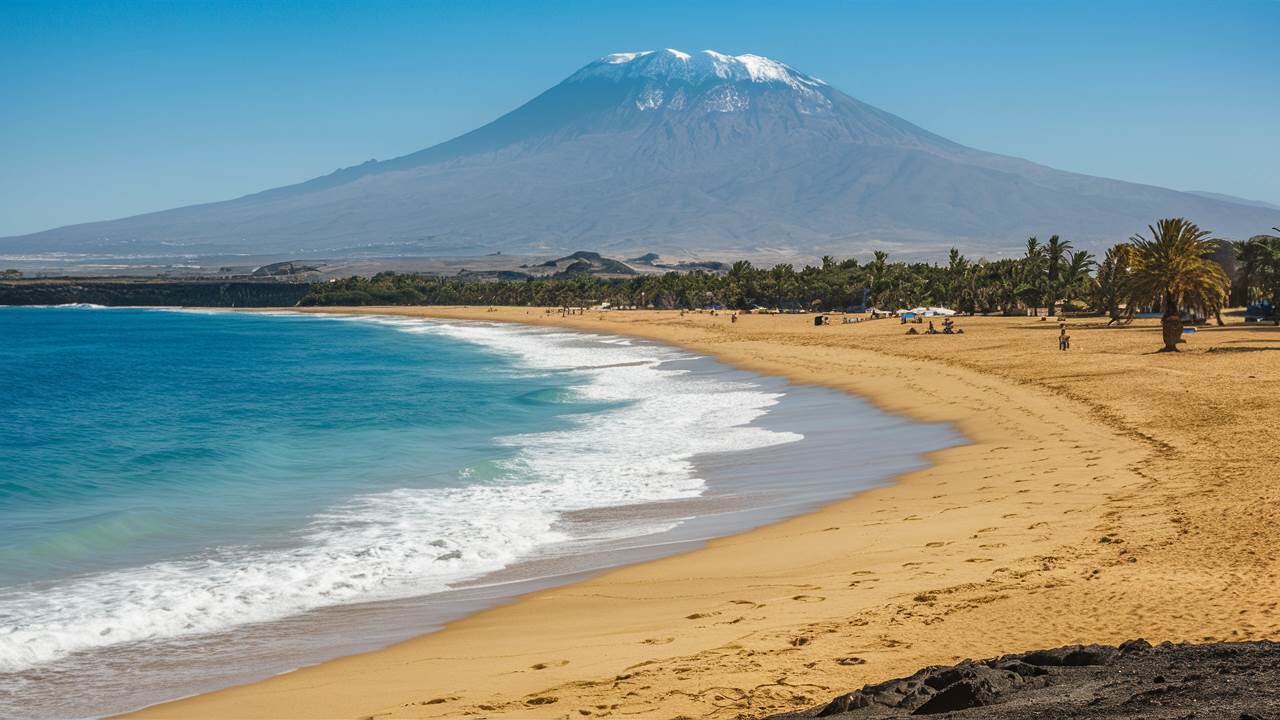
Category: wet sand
<point>1106,493</point>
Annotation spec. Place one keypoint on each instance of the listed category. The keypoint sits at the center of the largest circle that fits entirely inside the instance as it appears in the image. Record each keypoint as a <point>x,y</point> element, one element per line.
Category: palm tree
<point>1055,253</point>
<point>877,270</point>
<point>1171,269</point>
<point>740,269</point>
<point>1111,283</point>
<point>1259,261</point>
<point>1031,284</point>
<point>958,271</point>
<point>1075,275</point>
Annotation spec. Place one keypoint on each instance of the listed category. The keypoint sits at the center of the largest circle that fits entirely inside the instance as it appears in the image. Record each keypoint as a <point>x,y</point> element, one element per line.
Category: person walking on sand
<point>1064,340</point>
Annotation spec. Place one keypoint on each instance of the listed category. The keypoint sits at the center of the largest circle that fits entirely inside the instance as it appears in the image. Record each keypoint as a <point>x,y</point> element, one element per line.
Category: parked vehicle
<point>1262,311</point>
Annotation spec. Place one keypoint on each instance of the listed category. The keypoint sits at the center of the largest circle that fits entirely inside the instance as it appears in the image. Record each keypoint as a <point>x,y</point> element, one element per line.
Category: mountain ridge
<point>700,153</point>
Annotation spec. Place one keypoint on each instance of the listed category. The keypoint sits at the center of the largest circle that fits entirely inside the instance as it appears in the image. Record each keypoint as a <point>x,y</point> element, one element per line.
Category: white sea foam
<point>414,541</point>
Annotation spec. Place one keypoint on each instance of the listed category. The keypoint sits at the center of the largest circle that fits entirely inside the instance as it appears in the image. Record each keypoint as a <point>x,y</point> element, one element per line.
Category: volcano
<point>689,153</point>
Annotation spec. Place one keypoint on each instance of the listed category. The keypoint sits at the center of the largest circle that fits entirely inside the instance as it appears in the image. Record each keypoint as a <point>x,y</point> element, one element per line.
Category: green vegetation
<point>1174,269</point>
<point>981,286</point>
<point>1258,262</point>
<point>1109,290</point>
<point>1171,272</point>
<point>152,291</point>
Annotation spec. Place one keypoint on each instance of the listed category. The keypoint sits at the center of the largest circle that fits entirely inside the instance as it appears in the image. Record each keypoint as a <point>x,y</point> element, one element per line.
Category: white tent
<point>933,311</point>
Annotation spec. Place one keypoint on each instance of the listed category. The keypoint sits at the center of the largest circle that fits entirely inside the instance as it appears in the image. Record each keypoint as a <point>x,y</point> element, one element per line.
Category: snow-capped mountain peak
<point>663,150</point>
<point>623,57</point>
<point>707,66</point>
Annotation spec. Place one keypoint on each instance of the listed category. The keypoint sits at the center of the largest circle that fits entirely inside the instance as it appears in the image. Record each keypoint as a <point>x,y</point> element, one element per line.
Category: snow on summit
<point>619,58</point>
<point>696,68</point>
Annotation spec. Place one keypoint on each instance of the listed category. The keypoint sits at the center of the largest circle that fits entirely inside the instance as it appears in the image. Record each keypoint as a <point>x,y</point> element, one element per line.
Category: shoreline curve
<point>1036,532</point>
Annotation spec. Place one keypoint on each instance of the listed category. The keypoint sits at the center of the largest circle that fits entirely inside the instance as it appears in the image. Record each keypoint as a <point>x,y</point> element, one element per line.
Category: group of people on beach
<point>733,315</point>
<point>948,328</point>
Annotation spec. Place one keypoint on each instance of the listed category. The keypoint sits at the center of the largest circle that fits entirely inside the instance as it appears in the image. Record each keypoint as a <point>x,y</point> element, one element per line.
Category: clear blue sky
<point>109,109</point>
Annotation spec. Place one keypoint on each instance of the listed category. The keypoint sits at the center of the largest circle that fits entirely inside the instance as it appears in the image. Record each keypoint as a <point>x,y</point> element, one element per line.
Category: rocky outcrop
<point>1135,679</point>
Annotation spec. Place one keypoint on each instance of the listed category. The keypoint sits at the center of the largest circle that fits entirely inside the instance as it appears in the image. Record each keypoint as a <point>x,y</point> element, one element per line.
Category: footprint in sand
<point>809,598</point>
<point>934,544</point>
<point>852,660</point>
<point>544,666</point>
<point>657,641</point>
<point>700,616</point>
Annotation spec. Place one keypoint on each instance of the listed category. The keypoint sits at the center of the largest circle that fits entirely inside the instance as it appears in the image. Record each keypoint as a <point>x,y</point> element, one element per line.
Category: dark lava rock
<point>1091,682</point>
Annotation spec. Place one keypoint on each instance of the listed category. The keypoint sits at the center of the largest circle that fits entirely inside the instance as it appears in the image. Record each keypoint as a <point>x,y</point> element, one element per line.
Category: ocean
<point>193,499</point>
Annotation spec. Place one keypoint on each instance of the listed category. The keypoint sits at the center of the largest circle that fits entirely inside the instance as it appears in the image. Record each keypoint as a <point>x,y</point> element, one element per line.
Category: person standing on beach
<point>1064,340</point>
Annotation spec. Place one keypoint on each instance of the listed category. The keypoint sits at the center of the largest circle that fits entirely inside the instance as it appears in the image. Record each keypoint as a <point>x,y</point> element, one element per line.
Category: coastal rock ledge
<point>1236,681</point>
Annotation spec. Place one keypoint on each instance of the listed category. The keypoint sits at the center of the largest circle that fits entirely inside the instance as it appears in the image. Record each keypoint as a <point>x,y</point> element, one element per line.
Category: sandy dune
<point>1108,493</point>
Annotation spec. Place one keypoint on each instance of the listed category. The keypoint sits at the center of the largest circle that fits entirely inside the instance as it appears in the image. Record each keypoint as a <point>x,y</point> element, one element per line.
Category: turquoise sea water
<point>189,499</point>
<point>133,436</point>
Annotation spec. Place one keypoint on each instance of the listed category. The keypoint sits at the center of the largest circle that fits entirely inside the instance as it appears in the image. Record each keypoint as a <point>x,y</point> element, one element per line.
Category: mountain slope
<point>670,151</point>
<point>1234,199</point>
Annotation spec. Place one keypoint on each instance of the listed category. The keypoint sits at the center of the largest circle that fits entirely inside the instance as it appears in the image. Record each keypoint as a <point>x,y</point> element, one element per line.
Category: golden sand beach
<point>1107,492</point>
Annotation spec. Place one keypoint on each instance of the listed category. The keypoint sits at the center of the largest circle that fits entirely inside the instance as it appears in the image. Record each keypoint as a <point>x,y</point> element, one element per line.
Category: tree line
<point>1173,268</point>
